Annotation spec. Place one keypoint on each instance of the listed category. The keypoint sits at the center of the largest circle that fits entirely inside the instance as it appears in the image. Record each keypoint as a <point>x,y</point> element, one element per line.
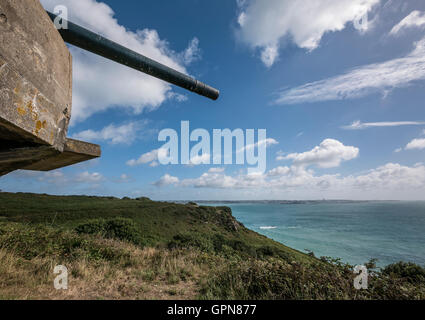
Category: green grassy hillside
<point>141,249</point>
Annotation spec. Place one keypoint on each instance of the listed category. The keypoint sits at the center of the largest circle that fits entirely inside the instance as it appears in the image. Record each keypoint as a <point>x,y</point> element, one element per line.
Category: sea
<point>354,231</point>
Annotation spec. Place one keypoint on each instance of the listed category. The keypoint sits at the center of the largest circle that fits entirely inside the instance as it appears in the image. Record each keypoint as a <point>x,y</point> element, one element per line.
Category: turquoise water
<point>352,231</point>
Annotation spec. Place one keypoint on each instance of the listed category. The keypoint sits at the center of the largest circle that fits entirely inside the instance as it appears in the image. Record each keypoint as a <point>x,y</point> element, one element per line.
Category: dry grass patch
<point>142,274</point>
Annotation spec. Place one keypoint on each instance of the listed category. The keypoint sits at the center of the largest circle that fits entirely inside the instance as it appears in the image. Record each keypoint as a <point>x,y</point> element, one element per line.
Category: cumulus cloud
<point>329,154</point>
<point>200,159</point>
<point>150,157</point>
<point>386,181</point>
<point>53,177</point>
<point>362,81</point>
<point>59,178</point>
<point>416,19</point>
<point>265,142</point>
<point>166,180</point>
<point>124,178</point>
<point>358,125</point>
<point>100,84</point>
<point>416,144</point>
<point>87,177</point>
<point>216,170</point>
<point>390,176</point>
<point>211,180</point>
<point>265,24</point>
<point>279,171</point>
<point>121,134</point>
<point>269,55</point>
<point>192,53</point>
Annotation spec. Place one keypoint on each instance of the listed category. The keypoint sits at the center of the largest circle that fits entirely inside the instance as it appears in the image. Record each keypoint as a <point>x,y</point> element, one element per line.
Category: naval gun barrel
<point>95,43</point>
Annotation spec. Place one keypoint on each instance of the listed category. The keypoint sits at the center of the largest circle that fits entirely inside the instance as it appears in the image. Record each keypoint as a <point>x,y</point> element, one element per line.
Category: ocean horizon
<point>354,231</point>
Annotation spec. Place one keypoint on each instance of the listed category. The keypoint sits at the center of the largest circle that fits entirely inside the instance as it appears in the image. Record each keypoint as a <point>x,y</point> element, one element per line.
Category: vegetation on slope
<point>141,249</point>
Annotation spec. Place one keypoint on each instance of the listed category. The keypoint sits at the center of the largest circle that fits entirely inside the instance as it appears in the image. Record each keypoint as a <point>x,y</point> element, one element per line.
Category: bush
<point>215,243</point>
<point>118,228</point>
<point>191,203</point>
<point>30,242</point>
<point>269,251</point>
<point>218,241</point>
<point>93,227</point>
<point>144,199</point>
<point>183,241</point>
<point>409,271</point>
<point>256,279</point>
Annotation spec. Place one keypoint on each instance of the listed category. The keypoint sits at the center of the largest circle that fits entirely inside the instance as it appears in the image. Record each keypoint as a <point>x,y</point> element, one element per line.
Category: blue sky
<point>344,104</point>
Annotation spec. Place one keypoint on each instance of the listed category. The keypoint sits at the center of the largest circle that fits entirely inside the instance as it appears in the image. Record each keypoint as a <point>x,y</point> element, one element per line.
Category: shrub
<point>191,203</point>
<point>31,242</point>
<point>117,228</point>
<point>144,199</point>
<point>194,240</point>
<point>268,251</point>
<point>409,271</point>
<point>93,227</point>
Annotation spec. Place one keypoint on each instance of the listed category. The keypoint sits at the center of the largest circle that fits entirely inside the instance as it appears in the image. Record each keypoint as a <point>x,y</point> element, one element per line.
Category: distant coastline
<point>289,201</point>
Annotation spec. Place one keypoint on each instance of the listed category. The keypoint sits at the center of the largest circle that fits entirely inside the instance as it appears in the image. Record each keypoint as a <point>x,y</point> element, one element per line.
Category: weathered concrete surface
<point>35,92</point>
<point>74,152</point>
<point>35,73</point>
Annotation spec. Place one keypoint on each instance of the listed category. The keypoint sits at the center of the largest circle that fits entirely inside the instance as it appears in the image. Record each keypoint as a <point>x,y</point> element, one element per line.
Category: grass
<point>141,249</point>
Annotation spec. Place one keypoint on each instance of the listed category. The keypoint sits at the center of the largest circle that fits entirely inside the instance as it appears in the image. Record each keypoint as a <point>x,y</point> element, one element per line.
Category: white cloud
<point>329,154</point>
<point>241,19</point>
<point>211,180</point>
<point>398,150</point>
<point>264,24</point>
<point>52,177</point>
<point>267,142</point>
<point>154,164</point>
<point>280,155</point>
<point>269,55</point>
<point>414,19</point>
<point>390,176</point>
<point>358,125</point>
<point>124,178</point>
<point>279,171</point>
<point>100,84</point>
<point>200,159</point>
<point>59,178</point>
<point>390,181</point>
<point>87,177</point>
<point>166,180</point>
<point>362,81</point>
<point>56,182</point>
<point>192,53</point>
<point>216,170</point>
<point>122,134</point>
<point>416,144</point>
<point>150,157</point>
